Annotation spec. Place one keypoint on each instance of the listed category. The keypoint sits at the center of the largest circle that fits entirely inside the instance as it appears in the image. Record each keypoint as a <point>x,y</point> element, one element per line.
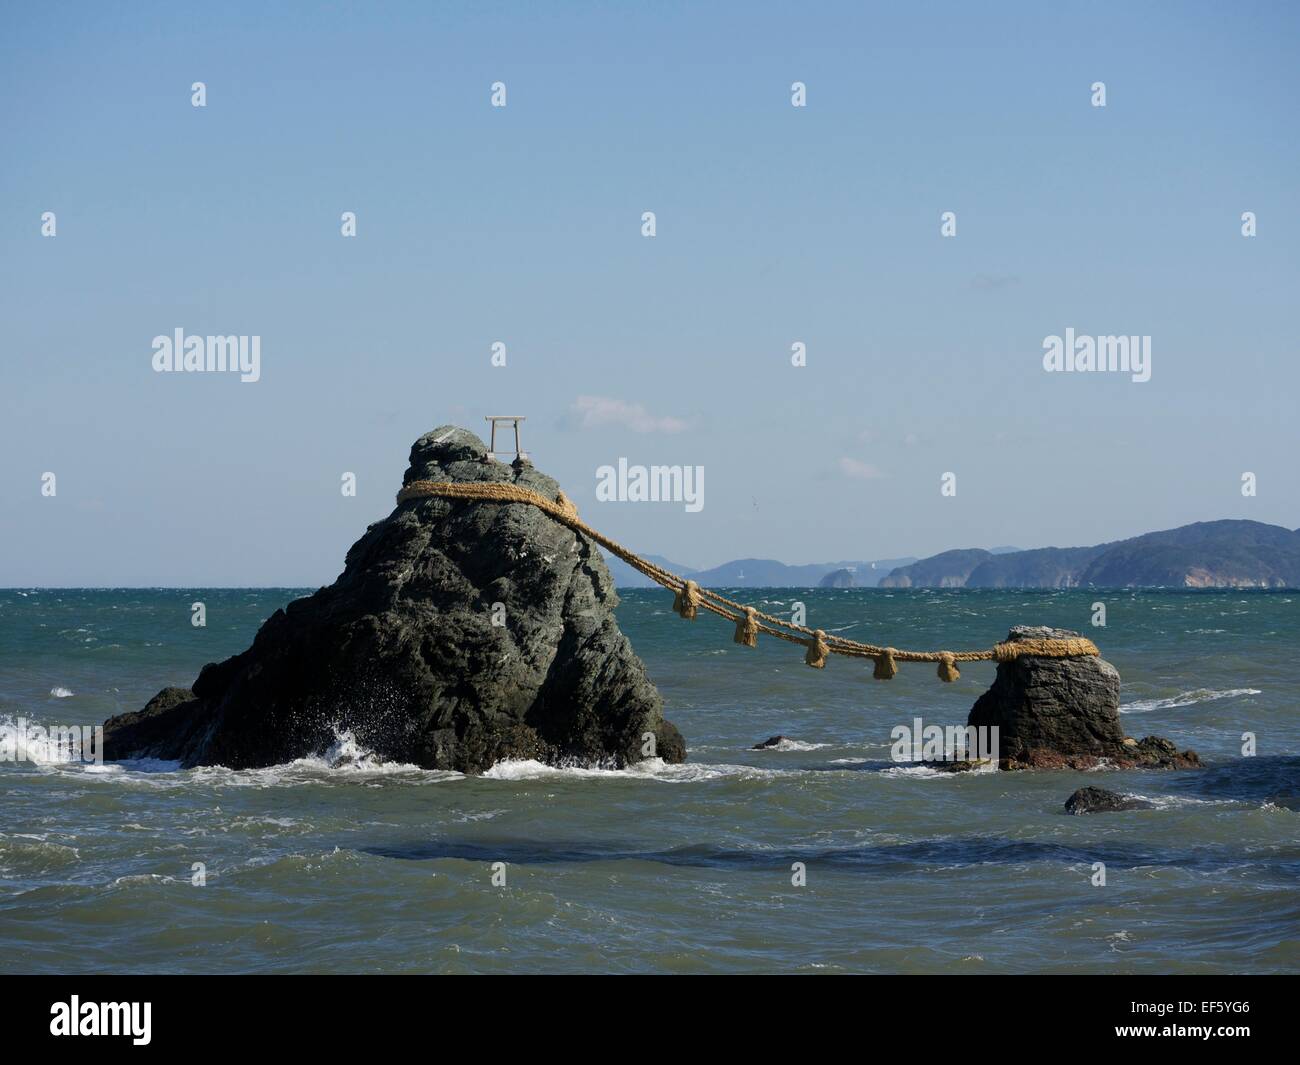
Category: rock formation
<point>840,578</point>
<point>460,633</point>
<point>1059,713</point>
<point>1099,800</point>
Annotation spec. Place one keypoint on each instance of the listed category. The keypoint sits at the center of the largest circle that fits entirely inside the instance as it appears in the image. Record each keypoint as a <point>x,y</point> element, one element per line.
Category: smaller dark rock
<point>1154,752</point>
<point>669,743</point>
<point>1063,713</point>
<point>963,765</point>
<point>1099,800</point>
<point>770,743</point>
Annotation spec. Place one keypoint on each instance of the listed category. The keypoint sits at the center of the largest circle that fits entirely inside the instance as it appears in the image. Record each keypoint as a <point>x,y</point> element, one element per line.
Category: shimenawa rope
<point>689,598</point>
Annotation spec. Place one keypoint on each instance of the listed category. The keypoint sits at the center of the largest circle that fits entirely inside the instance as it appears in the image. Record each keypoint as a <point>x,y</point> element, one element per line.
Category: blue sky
<point>522,224</point>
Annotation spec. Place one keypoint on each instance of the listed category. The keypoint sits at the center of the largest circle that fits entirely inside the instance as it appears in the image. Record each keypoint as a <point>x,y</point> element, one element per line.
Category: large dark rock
<point>1058,713</point>
<point>407,652</point>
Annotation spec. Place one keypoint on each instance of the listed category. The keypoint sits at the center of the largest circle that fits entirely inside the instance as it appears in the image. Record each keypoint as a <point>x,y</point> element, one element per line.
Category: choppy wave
<point>1188,698</point>
<point>650,769</point>
<point>32,854</point>
<point>787,744</point>
<point>925,772</point>
<point>616,869</point>
<point>44,745</point>
<point>1181,802</point>
<point>917,772</point>
<point>62,693</point>
<point>344,759</point>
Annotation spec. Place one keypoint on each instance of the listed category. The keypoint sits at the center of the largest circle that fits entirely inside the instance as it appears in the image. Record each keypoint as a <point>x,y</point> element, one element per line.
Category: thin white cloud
<point>594,411</point>
<point>994,282</point>
<point>863,471</point>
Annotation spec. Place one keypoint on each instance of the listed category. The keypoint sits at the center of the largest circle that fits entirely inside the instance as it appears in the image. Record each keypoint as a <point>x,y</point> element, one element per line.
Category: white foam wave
<point>925,772</point>
<point>346,756</point>
<point>347,753</point>
<point>918,772</point>
<point>1178,802</point>
<point>650,769</point>
<point>48,747</point>
<point>794,745</point>
<point>1188,698</point>
<point>62,693</point>
<point>344,760</point>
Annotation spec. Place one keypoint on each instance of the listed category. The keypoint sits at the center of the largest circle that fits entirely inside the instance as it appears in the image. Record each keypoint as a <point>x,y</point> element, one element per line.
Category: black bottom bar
<point>225,1014</point>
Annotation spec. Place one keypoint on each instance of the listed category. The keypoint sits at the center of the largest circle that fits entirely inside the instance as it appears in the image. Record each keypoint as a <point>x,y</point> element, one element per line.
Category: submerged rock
<point>956,765</point>
<point>771,742</point>
<point>459,634</point>
<point>1155,752</point>
<point>1099,800</point>
<point>1063,713</point>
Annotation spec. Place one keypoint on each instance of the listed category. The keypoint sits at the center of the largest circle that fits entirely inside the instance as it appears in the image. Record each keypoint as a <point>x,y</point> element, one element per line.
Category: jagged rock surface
<point>1059,713</point>
<point>460,633</point>
<point>1099,800</point>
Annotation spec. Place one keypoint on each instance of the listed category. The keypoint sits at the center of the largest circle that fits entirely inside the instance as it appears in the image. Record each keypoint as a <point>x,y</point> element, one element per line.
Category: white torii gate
<point>514,419</point>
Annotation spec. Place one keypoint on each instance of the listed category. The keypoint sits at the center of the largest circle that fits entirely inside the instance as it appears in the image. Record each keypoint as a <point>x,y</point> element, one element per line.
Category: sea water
<point>822,855</point>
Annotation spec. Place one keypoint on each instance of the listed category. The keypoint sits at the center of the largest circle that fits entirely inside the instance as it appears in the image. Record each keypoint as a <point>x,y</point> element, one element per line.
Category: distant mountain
<point>760,573</point>
<point>1207,554</point>
<point>768,573</point>
<point>947,570</point>
<point>1046,567</point>
<point>839,578</point>
<point>626,577</point>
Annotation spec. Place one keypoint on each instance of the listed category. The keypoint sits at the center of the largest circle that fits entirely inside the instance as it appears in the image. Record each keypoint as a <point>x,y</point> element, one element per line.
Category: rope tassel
<point>886,669</point>
<point>817,650</point>
<point>948,671</point>
<point>747,628</point>
<point>686,601</point>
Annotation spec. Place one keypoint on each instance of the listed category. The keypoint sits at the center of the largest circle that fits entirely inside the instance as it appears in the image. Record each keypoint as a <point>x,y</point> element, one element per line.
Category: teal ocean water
<point>339,864</point>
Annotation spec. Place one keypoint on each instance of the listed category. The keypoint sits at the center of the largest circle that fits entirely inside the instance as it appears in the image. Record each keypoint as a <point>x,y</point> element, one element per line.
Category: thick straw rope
<point>689,597</point>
